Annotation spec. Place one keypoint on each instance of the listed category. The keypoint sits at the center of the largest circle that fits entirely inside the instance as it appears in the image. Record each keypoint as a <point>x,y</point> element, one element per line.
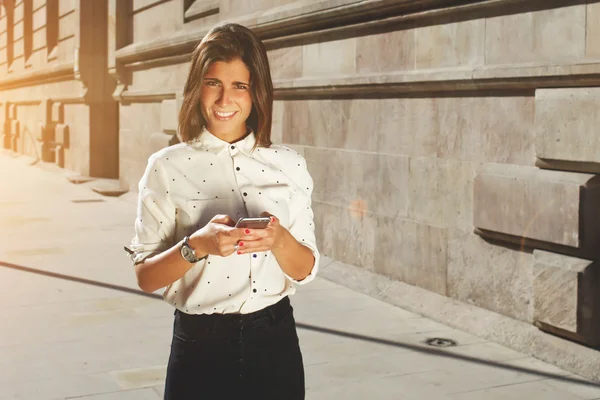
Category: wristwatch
<point>188,253</point>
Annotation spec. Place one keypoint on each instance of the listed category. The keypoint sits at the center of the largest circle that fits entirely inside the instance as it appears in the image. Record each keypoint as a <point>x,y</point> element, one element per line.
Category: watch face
<point>187,253</point>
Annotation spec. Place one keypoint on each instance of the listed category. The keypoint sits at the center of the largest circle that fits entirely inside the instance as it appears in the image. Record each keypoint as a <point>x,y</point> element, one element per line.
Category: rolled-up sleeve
<point>155,221</point>
<point>302,226</point>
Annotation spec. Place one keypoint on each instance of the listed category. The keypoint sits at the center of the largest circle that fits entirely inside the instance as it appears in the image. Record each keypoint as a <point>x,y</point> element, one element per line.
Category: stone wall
<point>454,145</point>
<point>55,91</point>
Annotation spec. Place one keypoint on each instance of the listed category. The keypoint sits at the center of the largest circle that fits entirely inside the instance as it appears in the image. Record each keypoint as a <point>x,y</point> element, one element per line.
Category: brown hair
<point>225,43</point>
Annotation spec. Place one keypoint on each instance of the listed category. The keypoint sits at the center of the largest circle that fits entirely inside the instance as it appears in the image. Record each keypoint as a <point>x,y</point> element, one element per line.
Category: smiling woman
<point>234,334</point>
<point>229,73</point>
<point>226,100</point>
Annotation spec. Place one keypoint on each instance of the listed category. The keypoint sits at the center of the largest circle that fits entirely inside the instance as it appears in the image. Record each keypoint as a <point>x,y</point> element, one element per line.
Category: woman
<point>234,332</point>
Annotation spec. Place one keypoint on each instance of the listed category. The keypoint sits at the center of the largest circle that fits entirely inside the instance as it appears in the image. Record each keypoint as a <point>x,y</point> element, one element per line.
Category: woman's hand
<point>270,238</point>
<point>219,237</point>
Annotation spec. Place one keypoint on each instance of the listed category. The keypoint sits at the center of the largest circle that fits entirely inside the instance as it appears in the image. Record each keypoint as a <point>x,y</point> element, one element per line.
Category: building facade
<point>455,145</point>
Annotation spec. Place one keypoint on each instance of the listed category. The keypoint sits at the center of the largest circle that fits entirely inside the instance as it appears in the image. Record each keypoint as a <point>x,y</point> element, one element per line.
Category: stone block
<point>14,144</point>
<point>161,19</point>
<point>332,58</point>
<point>61,135</point>
<point>59,156</point>
<point>57,113</point>
<point>412,252</point>
<point>448,45</point>
<point>6,140</point>
<point>364,182</point>
<point>497,278</point>
<point>286,63</point>
<point>158,141</point>
<point>15,128</point>
<point>487,129</point>
<point>550,206</point>
<point>40,131</point>
<point>566,296</point>
<point>313,122</point>
<point>169,116</point>
<point>45,150</point>
<point>540,36</point>
<point>231,8</point>
<point>440,192</point>
<point>66,6</point>
<point>409,126</point>
<point>277,124</point>
<point>169,78</point>
<point>593,30</point>
<point>355,123</point>
<point>385,52</point>
<point>345,234</point>
<point>567,124</point>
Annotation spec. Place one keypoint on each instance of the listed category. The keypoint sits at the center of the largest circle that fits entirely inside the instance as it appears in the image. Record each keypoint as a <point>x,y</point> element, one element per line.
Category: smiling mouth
<point>224,116</point>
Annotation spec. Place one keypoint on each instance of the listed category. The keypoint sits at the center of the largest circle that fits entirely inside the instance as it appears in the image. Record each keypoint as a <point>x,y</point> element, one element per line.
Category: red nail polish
<point>239,252</point>
<point>241,244</point>
<point>247,231</point>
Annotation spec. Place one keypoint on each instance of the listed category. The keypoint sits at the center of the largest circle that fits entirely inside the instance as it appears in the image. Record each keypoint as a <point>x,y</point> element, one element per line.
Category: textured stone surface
<point>169,116</point>
<point>329,58</point>
<point>547,35</point>
<point>412,252</point>
<point>161,18</point>
<point>567,124</point>
<point>231,8</point>
<point>400,249</point>
<point>160,78</point>
<point>537,204</point>
<point>566,295</point>
<point>277,122</point>
<point>486,129</point>
<point>490,276</point>
<point>355,124</point>
<point>460,43</point>
<point>286,63</point>
<point>365,182</point>
<point>593,30</point>
<point>409,127</point>
<point>345,234</point>
<point>440,192</point>
<point>314,122</point>
<point>373,53</point>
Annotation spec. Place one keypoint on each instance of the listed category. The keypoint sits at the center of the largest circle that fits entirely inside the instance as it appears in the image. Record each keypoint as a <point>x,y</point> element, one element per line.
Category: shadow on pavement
<point>421,349</point>
<point>79,280</point>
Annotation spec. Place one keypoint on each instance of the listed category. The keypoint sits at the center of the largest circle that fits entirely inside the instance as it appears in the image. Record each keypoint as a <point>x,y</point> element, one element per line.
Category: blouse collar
<point>210,142</point>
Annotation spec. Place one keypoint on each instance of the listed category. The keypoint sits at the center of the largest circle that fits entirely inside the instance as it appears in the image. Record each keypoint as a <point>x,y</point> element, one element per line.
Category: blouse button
<point>237,168</point>
<point>232,147</point>
<point>254,290</point>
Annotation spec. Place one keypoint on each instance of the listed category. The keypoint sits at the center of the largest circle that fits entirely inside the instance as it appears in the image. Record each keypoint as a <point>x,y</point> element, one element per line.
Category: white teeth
<point>224,115</point>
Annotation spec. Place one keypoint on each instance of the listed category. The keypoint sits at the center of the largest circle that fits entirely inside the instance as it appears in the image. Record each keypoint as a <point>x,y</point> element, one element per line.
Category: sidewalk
<point>75,325</point>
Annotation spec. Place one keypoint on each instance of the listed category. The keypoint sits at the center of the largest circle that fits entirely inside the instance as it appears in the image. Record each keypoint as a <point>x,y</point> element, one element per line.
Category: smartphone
<point>253,223</point>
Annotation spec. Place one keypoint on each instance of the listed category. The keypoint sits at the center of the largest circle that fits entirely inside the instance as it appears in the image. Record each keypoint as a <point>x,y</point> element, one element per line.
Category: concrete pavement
<point>75,325</point>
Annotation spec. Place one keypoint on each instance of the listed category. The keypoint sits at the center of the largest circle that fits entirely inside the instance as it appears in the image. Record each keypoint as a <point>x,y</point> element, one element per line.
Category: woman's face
<point>225,99</point>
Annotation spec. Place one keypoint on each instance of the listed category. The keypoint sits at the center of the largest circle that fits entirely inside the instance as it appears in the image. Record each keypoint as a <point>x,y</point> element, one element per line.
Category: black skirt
<point>236,356</point>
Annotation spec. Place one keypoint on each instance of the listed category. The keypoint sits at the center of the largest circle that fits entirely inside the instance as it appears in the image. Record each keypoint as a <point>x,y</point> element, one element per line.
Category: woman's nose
<point>224,98</point>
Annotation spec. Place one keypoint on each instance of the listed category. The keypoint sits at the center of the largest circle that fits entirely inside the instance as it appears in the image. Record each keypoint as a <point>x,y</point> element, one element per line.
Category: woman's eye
<point>210,83</point>
<point>242,87</point>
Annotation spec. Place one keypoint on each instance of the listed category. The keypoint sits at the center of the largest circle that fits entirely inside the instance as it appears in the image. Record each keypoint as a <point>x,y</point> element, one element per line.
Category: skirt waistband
<point>219,322</point>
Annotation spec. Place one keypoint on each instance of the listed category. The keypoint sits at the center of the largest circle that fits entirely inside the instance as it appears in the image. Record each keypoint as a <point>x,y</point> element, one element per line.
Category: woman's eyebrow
<point>235,83</point>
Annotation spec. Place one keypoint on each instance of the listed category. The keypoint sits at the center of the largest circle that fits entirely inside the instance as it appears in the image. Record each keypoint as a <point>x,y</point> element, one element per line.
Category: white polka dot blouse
<point>186,185</point>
